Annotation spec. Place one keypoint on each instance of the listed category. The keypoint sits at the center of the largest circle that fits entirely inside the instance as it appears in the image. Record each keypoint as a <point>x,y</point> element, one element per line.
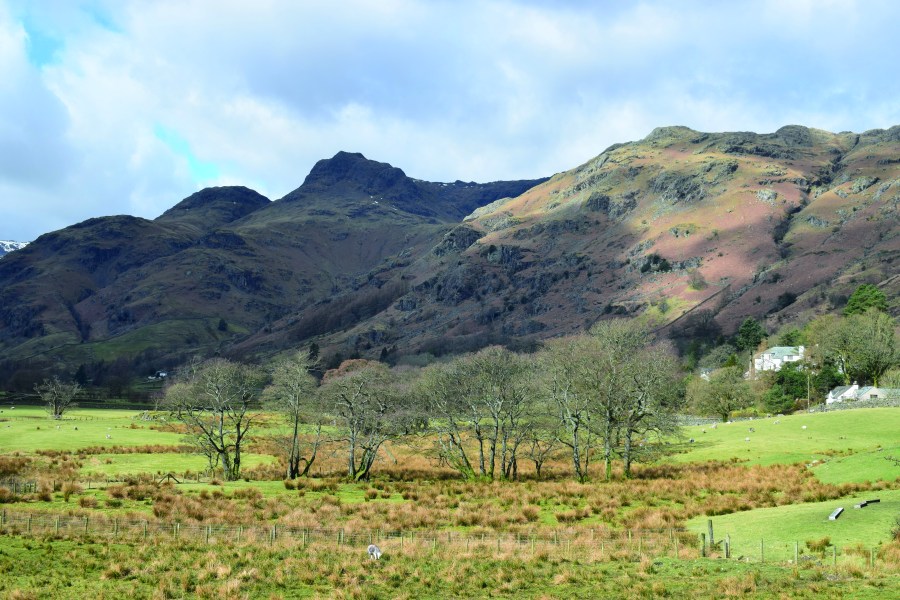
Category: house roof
<point>836,392</point>
<point>865,390</point>
<point>783,351</point>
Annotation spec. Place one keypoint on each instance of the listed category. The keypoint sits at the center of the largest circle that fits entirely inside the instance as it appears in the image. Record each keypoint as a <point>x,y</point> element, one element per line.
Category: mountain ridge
<point>692,231</point>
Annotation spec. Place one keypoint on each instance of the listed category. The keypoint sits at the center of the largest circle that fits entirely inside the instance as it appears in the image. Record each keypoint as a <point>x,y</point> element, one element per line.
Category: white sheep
<point>374,552</point>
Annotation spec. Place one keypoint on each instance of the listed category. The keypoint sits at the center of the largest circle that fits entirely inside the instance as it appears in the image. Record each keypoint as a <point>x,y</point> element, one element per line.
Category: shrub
<point>87,502</point>
<point>818,545</point>
<point>69,488</point>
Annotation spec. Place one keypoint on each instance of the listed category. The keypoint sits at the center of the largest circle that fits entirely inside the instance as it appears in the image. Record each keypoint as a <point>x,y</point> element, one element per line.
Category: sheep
<point>374,552</point>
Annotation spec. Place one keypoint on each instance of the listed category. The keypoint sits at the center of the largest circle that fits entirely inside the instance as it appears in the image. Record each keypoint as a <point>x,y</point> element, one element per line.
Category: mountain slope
<point>695,231</point>
<point>692,231</point>
<point>221,264</point>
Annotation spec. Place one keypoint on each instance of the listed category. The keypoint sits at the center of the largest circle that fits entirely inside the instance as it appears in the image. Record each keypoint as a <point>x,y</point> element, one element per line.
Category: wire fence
<point>634,544</point>
<point>592,544</point>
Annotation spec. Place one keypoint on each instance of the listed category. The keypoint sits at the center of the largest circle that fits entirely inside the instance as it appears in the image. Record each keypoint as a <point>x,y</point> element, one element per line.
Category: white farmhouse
<point>773,358</point>
<point>854,392</point>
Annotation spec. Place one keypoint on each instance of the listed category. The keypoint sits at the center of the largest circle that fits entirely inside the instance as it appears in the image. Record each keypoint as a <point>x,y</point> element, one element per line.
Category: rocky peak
<point>352,169</point>
<point>215,206</point>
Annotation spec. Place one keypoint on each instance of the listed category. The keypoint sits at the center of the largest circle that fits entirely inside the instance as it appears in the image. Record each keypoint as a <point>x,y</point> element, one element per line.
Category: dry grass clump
<point>739,586</point>
<point>87,502</point>
<point>819,545</point>
<point>69,488</point>
<point>11,466</point>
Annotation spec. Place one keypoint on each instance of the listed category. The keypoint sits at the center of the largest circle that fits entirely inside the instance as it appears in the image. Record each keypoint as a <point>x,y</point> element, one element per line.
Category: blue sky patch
<point>200,170</point>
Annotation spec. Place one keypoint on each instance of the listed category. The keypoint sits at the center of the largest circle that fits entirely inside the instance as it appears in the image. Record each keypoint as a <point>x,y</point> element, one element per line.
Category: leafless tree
<point>481,400</point>
<point>294,393</point>
<point>217,402</point>
<point>370,407</point>
<point>58,396</point>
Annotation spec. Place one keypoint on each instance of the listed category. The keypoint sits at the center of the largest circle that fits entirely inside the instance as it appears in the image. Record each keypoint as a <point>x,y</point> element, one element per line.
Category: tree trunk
<point>627,455</point>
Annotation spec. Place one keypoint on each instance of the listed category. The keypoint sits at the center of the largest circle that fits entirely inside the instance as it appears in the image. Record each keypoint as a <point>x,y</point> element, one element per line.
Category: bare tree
<point>369,407</point>
<point>58,396</point>
<point>217,402</point>
<point>482,399</point>
<point>294,393</point>
<point>619,347</point>
<point>542,442</point>
<point>650,402</point>
<point>565,366</point>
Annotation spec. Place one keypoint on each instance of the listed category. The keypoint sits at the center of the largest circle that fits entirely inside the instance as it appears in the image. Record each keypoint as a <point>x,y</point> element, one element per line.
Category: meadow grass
<point>94,569</point>
<point>870,526</point>
<point>28,429</point>
<point>116,465</point>
<point>847,432</point>
<point>410,493</point>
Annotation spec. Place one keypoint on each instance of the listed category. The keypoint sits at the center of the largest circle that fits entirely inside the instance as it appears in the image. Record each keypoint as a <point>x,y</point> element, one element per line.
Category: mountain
<point>219,266</point>
<point>6,246</point>
<point>692,231</point>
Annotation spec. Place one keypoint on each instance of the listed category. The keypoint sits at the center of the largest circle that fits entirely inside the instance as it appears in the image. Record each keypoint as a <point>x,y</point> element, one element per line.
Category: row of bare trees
<point>612,394</point>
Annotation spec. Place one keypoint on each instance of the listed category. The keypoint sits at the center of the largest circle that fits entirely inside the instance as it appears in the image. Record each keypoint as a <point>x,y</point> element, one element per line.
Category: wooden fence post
<point>703,544</point>
<point>762,551</point>
<point>796,553</point>
<point>727,545</point>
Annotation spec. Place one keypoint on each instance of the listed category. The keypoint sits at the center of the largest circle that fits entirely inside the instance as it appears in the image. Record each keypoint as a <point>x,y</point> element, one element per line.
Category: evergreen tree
<point>865,297</point>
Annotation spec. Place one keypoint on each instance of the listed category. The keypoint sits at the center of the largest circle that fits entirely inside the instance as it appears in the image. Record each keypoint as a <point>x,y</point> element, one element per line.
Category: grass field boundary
<point>593,544</point>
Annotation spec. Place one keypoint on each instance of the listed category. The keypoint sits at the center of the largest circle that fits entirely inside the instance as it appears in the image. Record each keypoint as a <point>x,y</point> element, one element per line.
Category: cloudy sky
<point>126,107</point>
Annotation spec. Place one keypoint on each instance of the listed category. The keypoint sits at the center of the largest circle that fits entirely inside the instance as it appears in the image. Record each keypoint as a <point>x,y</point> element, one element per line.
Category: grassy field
<point>869,526</point>
<point>780,486</point>
<point>110,570</point>
<point>27,429</point>
<point>843,446</point>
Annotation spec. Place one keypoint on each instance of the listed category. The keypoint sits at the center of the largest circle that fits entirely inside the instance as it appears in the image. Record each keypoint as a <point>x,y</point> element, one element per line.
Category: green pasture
<point>104,465</point>
<point>104,569</point>
<point>842,446</point>
<point>783,525</point>
<point>28,428</point>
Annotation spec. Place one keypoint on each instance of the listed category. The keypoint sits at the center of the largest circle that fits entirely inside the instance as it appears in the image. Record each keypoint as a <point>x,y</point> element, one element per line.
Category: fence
<point>590,544</point>
<point>19,486</point>
<point>621,544</point>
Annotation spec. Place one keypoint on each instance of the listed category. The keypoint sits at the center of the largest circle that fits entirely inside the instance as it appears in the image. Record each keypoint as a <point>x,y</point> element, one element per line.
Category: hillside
<point>219,265</point>
<point>695,231</point>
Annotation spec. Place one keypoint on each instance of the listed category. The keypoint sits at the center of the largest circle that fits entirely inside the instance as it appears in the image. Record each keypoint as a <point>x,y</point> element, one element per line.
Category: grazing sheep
<point>804,427</point>
<point>109,437</point>
<point>746,439</point>
<point>752,430</point>
<point>374,552</point>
